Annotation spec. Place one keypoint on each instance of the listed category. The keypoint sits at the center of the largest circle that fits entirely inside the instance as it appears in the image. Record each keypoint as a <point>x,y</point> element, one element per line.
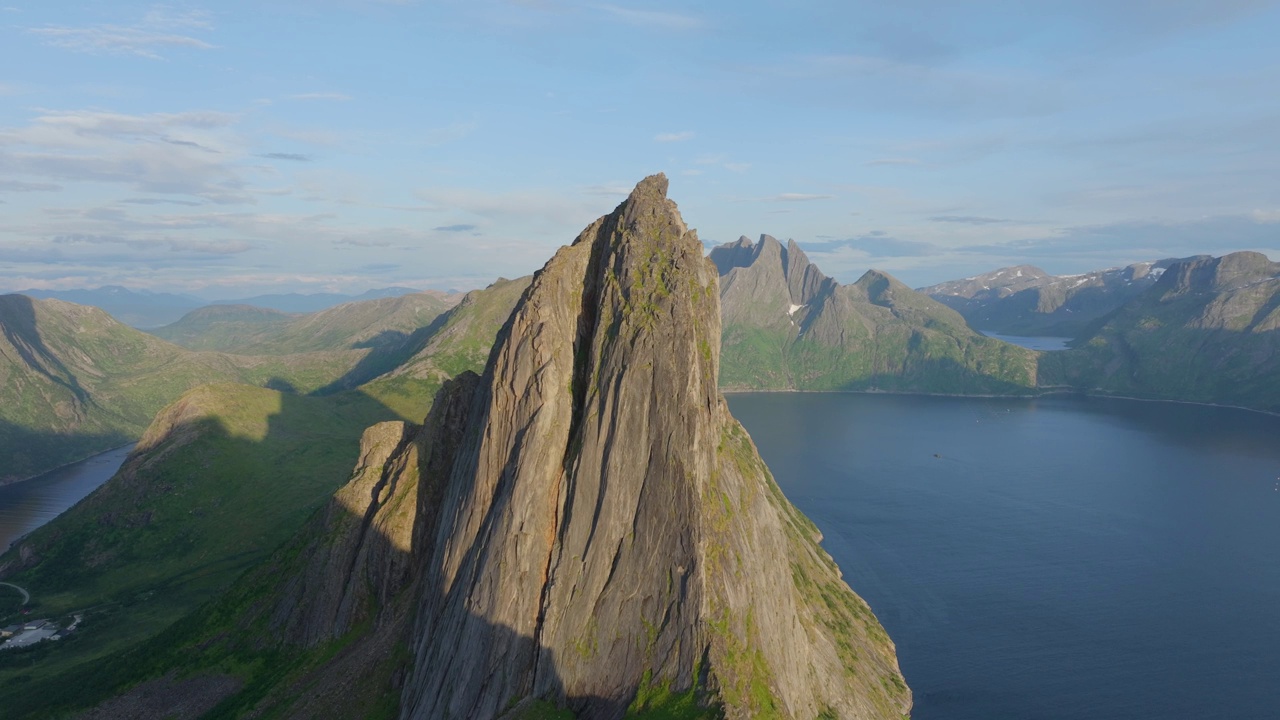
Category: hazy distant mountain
<point>788,326</point>
<point>1025,300</point>
<point>74,381</point>
<point>1208,330</point>
<point>139,308</point>
<point>256,330</point>
<point>314,302</point>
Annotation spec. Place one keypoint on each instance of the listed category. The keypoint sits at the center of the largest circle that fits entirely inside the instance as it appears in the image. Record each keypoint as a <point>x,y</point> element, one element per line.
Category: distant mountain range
<point>787,326</point>
<point>1208,330</point>
<point>145,310</point>
<point>1025,300</point>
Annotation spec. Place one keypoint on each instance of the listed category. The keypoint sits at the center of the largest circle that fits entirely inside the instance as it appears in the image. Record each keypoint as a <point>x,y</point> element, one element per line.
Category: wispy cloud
<point>652,18</point>
<point>363,242</point>
<point>607,190</point>
<point>192,153</point>
<point>294,157</point>
<point>967,219</point>
<point>673,136</point>
<point>180,245</point>
<point>19,186</point>
<point>336,96</point>
<point>875,244</point>
<point>161,28</point>
<point>462,227</point>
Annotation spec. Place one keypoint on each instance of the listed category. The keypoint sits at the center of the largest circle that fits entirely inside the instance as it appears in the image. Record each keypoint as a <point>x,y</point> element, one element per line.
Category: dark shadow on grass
<point>173,529</point>
<point>387,351</point>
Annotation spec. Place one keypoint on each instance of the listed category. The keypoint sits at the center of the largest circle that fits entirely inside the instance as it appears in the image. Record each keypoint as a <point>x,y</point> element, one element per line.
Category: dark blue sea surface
<point>1049,558</point>
<point>29,504</point>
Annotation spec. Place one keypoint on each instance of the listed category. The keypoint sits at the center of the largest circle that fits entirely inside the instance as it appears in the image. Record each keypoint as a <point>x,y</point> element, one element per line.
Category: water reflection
<point>27,505</point>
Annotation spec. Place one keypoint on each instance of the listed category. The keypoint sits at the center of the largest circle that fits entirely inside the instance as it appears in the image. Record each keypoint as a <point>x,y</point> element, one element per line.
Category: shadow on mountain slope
<point>28,448</point>
<point>388,350</point>
<point>221,478</point>
<point>18,321</point>
<point>323,628</point>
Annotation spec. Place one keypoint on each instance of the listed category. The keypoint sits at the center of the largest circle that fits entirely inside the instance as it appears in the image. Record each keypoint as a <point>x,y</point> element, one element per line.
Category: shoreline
<point>15,481</point>
<point>1046,392</point>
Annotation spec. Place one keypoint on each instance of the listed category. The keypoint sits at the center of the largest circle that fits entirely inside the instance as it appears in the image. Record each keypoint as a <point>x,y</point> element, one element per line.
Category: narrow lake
<point>1049,558</point>
<point>29,504</point>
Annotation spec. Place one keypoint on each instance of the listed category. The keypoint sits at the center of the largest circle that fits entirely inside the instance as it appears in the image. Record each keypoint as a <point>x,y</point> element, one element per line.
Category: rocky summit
<point>606,535</point>
<point>588,530</point>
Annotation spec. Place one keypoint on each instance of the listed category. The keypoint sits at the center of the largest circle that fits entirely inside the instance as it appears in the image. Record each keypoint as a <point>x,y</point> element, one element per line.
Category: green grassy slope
<point>876,334</point>
<point>74,381</point>
<point>220,479</point>
<point>246,330</point>
<point>1207,331</point>
<point>461,341</point>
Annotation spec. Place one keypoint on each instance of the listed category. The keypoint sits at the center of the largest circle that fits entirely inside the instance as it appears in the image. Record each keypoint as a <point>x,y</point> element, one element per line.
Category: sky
<point>232,148</point>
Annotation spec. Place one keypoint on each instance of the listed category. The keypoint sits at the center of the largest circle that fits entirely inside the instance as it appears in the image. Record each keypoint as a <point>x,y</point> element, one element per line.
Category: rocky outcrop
<point>606,527</point>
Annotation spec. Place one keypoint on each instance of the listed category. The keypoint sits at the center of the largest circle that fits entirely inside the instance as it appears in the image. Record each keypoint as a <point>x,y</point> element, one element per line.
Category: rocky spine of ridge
<point>605,526</point>
<point>788,326</point>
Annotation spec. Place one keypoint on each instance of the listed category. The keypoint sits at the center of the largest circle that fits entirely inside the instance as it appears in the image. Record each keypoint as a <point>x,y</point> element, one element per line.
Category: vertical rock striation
<point>600,525</point>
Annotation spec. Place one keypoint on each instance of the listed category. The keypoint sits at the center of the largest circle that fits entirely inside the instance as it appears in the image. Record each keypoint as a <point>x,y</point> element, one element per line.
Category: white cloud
<point>160,28</point>
<point>340,97</point>
<point>652,18</point>
<point>673,136</point>
<point>189,153</point>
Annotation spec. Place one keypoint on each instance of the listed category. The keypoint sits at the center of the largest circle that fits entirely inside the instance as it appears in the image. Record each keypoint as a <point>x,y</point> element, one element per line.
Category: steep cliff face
<point>788,326</point>
<point>606,528</point>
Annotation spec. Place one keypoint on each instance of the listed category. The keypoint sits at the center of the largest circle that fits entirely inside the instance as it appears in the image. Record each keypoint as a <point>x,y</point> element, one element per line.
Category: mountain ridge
<point>789,326</point>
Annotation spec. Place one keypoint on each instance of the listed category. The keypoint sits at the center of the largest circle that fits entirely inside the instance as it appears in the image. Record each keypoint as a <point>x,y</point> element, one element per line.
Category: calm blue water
<point>1058,558</point>
<point>29,504</point>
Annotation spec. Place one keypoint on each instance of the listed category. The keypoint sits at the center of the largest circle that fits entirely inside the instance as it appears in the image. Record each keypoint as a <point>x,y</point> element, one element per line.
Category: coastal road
<point>26,596</point>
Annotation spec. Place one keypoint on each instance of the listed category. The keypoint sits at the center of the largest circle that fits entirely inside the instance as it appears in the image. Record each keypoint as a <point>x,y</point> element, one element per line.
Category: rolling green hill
<point>219,480</point>
<point>786,326</point>
<point>460,341</point>
<point>74,381</point>
<point>249,330</point>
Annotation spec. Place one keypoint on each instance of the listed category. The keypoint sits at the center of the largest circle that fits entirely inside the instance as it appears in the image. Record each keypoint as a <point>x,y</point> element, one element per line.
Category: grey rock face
<point>604,523</point>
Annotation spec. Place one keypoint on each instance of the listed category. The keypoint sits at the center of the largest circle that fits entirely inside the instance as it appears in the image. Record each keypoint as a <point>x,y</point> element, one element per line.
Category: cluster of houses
<point>33,631</point>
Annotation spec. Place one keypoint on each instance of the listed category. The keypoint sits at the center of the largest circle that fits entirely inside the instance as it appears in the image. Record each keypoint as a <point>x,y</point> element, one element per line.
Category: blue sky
<point>233,148</point>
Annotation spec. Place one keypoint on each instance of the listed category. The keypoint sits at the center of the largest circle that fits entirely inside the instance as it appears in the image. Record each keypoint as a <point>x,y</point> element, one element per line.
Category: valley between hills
<point>579,527</point>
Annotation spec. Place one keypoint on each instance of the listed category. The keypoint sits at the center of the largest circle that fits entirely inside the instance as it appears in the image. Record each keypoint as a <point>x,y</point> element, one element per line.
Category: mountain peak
<point>602,527</point>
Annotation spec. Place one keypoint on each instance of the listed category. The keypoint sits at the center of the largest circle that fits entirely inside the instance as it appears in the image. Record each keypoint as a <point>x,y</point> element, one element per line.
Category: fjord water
<point>1049,558</point>
<point>27,505</point>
